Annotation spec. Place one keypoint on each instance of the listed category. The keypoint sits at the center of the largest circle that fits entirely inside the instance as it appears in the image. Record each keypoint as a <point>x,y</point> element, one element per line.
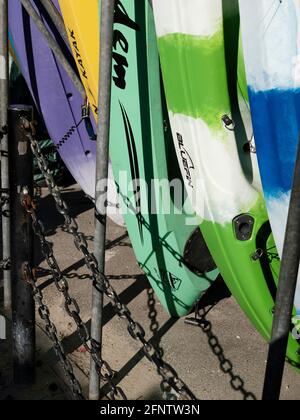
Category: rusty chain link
<point>226,366</point>
<point>101,282</point>
<point>4,197</point>
<point>4,202</point>
<point>167,393</point>
<point>5,265</point>
<point>71,305</point>
<point>51,332</point>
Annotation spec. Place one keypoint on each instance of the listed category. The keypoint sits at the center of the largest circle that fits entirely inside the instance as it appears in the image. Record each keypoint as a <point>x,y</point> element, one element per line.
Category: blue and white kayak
<point>271,41</point>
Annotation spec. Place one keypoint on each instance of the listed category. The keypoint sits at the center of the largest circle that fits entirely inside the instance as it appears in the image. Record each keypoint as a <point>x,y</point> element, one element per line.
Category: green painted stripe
<point>189,57</point>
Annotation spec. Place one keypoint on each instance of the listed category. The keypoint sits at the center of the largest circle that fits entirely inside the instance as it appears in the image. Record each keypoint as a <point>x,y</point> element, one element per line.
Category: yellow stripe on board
<point>82,22</point>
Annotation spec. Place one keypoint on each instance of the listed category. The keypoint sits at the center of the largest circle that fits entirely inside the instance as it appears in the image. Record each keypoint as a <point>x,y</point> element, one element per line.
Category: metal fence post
<point>285,295</point>
<point>21,238</point>
<point>106,44</point>
<point>4,63</point>
<point>56,19</point>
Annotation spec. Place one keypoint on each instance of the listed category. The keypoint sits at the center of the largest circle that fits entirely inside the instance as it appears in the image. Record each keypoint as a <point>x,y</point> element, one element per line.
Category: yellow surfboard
<point>83,20</point>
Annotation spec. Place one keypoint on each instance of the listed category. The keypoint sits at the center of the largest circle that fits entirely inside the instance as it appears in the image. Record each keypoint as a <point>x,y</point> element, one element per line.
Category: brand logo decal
<point>187,161</point>
<point>80,63</point>
<point>121,63</point>
<point>169,278</point>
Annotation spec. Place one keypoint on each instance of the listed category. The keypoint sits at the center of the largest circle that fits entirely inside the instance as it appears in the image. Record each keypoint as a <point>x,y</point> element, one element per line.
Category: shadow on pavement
<point>213,296</point>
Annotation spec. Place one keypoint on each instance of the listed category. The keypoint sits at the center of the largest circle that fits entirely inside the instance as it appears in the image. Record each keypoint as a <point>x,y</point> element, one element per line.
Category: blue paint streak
<point>276,123</point>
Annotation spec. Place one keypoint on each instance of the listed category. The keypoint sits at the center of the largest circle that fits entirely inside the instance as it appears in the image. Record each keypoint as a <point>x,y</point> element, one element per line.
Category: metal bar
<point>4,146</point>
<point>56,18</point>
<point>54,46</point>
<point>106,44</point>
<point>21,184</point>
<point>285,295</point>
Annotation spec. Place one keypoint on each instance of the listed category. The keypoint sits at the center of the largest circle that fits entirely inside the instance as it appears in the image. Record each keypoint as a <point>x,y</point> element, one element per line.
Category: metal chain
<point>3,131</point>
<point>51,332</point>
<point>71,305</point>
<point>101,282</point>
<point>250,146</point>
<point>4,201</point>
<point>4,198</point>
<point>5,265</point>
<point>226,366</point>
<point>154,327</point>
<point>167,393</point>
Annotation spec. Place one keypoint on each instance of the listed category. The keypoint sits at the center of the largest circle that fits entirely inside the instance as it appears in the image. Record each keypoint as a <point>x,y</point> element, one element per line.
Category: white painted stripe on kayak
<point>2,67</point>
<point>272,49</point>
<point>192,17</point>
<point>225,192</point>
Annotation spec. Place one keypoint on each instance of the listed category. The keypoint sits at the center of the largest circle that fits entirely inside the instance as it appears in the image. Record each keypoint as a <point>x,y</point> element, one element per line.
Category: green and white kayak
<point>204,78</point>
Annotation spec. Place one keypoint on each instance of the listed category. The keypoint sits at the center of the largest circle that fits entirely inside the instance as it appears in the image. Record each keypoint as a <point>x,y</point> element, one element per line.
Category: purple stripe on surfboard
<point>56,97</point>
